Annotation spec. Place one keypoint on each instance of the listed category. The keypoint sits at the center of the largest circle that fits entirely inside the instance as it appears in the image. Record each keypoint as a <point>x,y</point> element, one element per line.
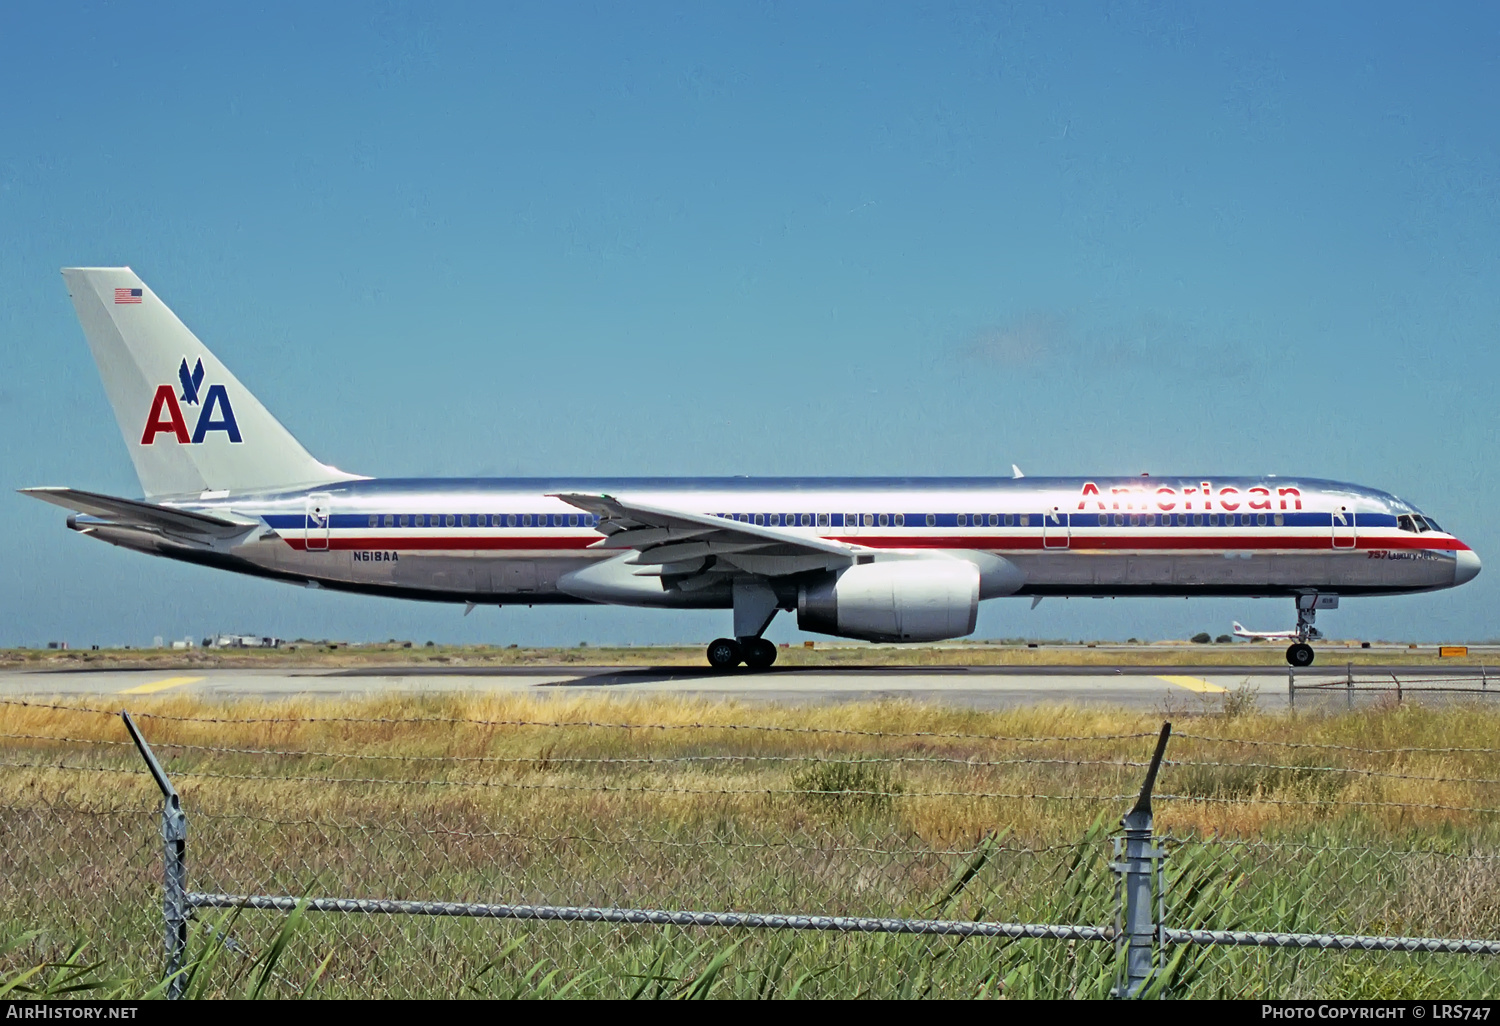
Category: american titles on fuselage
<point>1167,498</point>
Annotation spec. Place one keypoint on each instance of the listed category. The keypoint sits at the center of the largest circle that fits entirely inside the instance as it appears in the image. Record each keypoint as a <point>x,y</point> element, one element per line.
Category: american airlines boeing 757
<point>880,559</point>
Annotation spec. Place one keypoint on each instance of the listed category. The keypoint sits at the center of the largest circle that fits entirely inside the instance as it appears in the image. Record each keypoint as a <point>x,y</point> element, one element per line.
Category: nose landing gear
<point>1300,653</point>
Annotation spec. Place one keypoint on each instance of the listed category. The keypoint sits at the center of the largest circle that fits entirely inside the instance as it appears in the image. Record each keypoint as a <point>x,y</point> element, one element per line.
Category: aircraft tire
<point>724,653</point>
<point>1299,654</point>
<point>759,654</point>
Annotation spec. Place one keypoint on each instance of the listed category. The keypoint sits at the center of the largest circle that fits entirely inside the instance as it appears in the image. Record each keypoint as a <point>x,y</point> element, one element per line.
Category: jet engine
<point>896,600</point>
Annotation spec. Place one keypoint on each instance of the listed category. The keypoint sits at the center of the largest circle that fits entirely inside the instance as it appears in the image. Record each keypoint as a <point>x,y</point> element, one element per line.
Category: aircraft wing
<point>676,541</point>
<point>144,515</point>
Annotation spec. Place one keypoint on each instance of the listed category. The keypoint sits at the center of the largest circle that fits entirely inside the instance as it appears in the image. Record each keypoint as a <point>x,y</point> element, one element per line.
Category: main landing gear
<point>755,605</point>
<point>727,653</point>
<point>1299,653</point>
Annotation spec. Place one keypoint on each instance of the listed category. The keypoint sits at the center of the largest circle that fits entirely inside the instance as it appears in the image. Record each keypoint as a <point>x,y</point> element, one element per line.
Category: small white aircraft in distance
<point>1240,632</point>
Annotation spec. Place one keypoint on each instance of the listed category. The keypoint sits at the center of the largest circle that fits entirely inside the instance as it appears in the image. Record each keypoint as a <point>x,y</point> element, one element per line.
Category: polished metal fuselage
<point>504,541</point>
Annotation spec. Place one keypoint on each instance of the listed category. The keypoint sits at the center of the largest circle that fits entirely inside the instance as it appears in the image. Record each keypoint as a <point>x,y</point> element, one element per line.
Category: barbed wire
<point>760,791</point>
<point>548,760</point>
<point>594,724</point>
<point>1234,842</point>
<point>594,788</point>
<point>543,761</point>
<point>1341,802</point>
<point>1333,747</point>
<point>1383,774</point>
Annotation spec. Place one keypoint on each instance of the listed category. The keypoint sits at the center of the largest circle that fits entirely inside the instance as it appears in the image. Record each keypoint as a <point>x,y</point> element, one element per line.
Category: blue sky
<point>760,239</point>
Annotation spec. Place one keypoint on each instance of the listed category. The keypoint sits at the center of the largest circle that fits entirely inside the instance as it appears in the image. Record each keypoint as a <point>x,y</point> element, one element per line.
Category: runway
<point>1189,688</point>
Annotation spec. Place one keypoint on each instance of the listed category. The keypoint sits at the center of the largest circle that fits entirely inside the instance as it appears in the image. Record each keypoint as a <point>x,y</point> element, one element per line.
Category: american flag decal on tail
<point>127,296</point>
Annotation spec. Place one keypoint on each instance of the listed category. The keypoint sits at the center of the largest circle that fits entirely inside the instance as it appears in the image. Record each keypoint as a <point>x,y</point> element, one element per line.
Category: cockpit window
<point>1432,525</point>
<point>1405,523</point>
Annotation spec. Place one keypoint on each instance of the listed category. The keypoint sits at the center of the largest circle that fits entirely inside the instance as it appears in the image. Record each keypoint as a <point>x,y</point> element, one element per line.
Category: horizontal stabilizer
<point>144,514</point>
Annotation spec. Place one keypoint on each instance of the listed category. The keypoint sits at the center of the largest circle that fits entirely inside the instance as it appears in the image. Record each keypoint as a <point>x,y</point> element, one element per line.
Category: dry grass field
<point>1381,820</point>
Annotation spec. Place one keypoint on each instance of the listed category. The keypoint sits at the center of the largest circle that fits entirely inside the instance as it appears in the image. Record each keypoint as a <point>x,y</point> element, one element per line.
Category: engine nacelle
<point>896,600</point>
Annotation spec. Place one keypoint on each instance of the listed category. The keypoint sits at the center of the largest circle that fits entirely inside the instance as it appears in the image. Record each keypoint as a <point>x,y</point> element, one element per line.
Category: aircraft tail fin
<point>189,424</point>
<point>1239,628</point>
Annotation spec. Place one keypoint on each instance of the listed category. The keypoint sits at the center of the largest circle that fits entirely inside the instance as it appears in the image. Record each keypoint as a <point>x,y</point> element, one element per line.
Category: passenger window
<point>1260,520</point>
<point>822,519</point>
<point>932,520</point>
<point>900,519</point>
<point>884,520</point>
<point>374,520</point>
<point>869,520</point>
<point>1280,520</point>
<point>1025,519</point>
<point>760,520</point>
<point>405,520</point>
<point>572,519</point>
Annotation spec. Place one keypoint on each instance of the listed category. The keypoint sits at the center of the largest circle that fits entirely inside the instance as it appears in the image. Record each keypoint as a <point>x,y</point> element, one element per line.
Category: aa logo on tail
<point>214,414</point>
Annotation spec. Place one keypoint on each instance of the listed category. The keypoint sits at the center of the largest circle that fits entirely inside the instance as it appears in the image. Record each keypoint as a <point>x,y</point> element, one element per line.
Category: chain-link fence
<point>451,854</point>
<point>1363,684</point>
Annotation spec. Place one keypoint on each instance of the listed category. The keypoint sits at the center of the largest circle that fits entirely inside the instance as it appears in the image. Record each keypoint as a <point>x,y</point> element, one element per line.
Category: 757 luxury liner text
<point>882,559</point>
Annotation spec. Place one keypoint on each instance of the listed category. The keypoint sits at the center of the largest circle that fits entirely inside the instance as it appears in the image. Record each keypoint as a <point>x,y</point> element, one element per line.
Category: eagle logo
<point>190,381</point>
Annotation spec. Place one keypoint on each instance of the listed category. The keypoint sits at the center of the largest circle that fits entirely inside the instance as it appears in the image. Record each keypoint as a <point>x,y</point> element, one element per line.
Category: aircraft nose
<point>1465,566</point>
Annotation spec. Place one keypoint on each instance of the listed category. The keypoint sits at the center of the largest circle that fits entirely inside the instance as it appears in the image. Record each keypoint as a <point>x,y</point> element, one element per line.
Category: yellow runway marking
<point>160,685</point>
<point>1197,684</point>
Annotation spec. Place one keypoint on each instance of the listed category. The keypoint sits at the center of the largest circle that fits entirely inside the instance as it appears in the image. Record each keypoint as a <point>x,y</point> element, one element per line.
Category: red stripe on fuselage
<point>1164,541</point>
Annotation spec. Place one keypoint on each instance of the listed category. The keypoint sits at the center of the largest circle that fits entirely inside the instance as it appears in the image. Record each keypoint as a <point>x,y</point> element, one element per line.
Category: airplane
<point>1240,632</point>
<point>906,559</point>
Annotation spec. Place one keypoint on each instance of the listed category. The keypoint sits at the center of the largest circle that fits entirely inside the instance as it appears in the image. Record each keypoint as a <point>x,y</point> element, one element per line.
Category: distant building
<point>241,641</point>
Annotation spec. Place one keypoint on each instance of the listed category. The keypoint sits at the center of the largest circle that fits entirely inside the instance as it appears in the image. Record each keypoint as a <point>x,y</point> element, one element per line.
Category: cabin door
<point>1343,528</point>
<point>317,523</point>
<point>1056,533</point>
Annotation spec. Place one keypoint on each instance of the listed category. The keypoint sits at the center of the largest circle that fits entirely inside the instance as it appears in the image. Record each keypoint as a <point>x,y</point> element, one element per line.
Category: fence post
<point>1136,926</point>
<point>1349,686</point>
<point>1291,687</point>
<point>174,838</point>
